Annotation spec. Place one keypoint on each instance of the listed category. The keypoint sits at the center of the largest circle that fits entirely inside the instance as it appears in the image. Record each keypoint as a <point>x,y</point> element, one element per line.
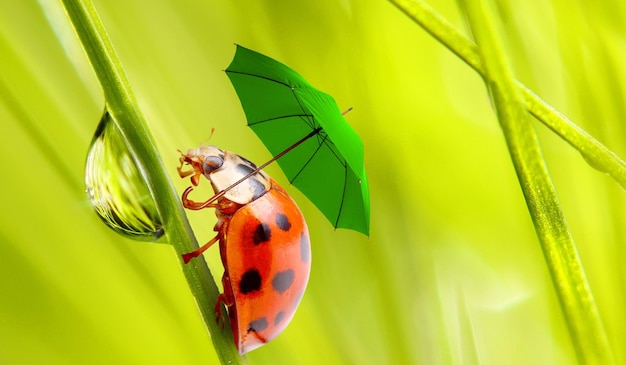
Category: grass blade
<point>595,153</point>
<point>581,314</point>
<point>123,107</point>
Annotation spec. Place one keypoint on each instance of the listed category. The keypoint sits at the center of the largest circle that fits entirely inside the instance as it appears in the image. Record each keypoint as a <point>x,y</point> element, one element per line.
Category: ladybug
<point>264,245</point>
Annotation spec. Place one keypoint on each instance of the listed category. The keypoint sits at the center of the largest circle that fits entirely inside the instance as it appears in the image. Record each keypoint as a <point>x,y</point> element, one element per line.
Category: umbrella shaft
<point>221,193</point>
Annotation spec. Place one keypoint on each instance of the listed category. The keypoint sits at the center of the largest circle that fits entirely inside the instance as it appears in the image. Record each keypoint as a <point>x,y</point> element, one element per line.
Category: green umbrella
<point>325,155</point>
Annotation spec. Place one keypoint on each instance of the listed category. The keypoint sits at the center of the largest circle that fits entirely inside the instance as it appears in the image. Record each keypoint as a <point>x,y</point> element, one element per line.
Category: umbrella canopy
<point>284,110</point>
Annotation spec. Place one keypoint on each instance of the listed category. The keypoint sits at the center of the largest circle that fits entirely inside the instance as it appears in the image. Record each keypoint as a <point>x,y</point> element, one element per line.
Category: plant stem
<point>123,107</point>
<point>594,152</point>
<point>569,279</point>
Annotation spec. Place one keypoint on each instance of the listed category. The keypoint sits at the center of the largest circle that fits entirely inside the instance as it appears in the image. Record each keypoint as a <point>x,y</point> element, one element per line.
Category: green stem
<point>123,107</point>
<point>575,296</point>
<point>594,152</point>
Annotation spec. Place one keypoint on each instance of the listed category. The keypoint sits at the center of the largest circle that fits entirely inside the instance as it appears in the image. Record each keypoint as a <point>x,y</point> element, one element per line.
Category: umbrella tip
<point>347,111</point>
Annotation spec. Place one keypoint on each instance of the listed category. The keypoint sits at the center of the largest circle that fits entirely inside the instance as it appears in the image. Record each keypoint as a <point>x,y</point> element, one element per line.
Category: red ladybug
<point>264,245</point>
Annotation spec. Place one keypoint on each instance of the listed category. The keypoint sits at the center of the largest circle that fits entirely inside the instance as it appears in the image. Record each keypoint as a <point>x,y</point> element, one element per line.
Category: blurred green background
<point>452,272</point>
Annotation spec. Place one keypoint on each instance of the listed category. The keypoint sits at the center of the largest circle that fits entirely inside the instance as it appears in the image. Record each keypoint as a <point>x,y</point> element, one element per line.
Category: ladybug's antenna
<point>221,193</point>
<point>209,137</point>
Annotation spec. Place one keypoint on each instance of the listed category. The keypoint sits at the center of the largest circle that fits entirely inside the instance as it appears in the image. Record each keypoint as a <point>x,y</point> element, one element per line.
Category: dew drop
<point>115,187</point>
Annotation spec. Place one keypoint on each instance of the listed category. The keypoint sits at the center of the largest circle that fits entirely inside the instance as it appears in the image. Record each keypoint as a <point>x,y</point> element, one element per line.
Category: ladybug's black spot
<point>262,233</point>
<point>248,162</point>
<point>283,222</point>
<point>244,169</point>
<point>279,317</point>
<point>257,187</point>
<point>250,281</point>
<point>257,325</point>
<point>305,247</point>
<point>283,280</point>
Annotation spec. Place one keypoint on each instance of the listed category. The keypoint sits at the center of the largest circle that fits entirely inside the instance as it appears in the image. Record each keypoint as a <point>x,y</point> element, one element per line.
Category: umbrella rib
<point>302,107</point>
<point>259,77</point>
<point>280,117</point>
<point>328,144</point>
<point>278,82</point>
<point>343,195</point>
<point>307,162</point>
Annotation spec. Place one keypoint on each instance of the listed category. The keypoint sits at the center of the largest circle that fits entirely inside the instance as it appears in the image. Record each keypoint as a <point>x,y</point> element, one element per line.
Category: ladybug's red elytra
<point>264,245</point>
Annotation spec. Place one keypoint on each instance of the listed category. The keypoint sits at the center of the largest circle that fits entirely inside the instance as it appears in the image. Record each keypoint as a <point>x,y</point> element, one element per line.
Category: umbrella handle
<point>221,193</point>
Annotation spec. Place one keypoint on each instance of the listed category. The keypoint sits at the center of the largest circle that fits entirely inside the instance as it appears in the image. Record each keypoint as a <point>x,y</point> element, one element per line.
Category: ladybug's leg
<point>184,174</point>
<point>195,172</point>
<point>190,204</point>
<point>227,298</point>
<point>188,256</point>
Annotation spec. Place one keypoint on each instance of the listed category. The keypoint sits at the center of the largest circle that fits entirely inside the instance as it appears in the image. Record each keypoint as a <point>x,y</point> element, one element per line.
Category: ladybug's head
<point>227,171</point>
<point>203,160</point>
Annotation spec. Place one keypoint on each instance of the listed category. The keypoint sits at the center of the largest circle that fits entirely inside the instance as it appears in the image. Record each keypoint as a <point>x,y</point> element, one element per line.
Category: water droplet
<point>116,189</point>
